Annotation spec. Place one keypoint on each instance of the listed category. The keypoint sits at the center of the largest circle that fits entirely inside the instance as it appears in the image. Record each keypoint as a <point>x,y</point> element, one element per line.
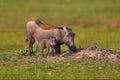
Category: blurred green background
<point>93,21</point>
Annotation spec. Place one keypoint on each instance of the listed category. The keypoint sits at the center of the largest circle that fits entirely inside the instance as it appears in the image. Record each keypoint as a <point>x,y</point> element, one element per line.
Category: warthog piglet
<point>49,44</point>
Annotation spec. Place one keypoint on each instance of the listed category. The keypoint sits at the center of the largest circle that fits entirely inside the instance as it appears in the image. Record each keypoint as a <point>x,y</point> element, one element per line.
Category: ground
<point>90,52</point>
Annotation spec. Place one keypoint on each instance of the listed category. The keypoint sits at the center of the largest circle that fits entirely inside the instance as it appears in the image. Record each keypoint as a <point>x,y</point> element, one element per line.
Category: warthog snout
<point>73,48</point>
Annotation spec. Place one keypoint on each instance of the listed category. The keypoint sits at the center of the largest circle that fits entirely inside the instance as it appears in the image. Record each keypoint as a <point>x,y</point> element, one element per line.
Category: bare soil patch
<point>90,52</point>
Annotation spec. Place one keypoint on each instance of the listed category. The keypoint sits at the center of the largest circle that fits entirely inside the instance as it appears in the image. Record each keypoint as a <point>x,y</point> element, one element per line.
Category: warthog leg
<point>57,48</point>
<point>41,50</point>
<point>50,50</point>
<point>31,41</point>
<point>53,51</point>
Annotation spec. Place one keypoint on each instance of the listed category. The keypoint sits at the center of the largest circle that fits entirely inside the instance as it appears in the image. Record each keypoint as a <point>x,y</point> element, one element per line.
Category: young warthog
<point>49,44</point>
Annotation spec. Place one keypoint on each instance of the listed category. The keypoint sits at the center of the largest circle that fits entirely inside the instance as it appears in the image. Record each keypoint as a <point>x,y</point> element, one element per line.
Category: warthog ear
<point>66,33</point>
<point>64,28</point>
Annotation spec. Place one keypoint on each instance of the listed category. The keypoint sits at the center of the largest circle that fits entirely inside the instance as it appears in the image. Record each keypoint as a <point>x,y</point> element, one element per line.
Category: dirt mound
<point>90,52</point>
<point>93,52</point>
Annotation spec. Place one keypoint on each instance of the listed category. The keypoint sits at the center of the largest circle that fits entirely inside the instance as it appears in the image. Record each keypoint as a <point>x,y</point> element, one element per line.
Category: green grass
<point>93,21</point>
<point>37,68</point>
<point>106,38</point>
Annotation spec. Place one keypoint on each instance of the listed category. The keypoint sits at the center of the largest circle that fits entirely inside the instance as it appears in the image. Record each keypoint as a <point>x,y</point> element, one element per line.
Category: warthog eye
<point>73,34</point>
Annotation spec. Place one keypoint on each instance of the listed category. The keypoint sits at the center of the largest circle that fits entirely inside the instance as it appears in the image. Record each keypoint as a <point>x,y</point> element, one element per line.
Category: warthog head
<point>69,39</point>
<point>52,41</point>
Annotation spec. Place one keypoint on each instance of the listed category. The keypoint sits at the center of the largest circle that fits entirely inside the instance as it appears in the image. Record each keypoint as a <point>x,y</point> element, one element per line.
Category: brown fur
<point>47,27</point>
<point>39,22</point>
<point>51,27</point>
<point>49,44</point>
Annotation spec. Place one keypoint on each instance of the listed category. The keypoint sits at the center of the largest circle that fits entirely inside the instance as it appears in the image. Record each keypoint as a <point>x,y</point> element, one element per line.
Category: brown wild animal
<point>49,44</point>
<point>37,31</point>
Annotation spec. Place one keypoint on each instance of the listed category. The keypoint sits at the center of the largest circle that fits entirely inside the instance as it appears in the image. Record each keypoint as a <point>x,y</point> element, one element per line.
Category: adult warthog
<point>37,31</point>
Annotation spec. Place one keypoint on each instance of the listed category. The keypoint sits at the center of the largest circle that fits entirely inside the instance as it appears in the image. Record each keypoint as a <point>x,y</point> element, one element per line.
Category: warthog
<point>37,31</point>
<point>49,44</point>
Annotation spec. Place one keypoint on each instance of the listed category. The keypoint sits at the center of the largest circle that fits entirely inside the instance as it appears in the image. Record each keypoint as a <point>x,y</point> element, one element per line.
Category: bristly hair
<point>39,22</point>
<point>46,27</point>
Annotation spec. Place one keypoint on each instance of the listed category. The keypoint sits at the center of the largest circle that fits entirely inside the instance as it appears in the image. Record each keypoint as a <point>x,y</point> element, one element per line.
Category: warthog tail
<point>26,40</point>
